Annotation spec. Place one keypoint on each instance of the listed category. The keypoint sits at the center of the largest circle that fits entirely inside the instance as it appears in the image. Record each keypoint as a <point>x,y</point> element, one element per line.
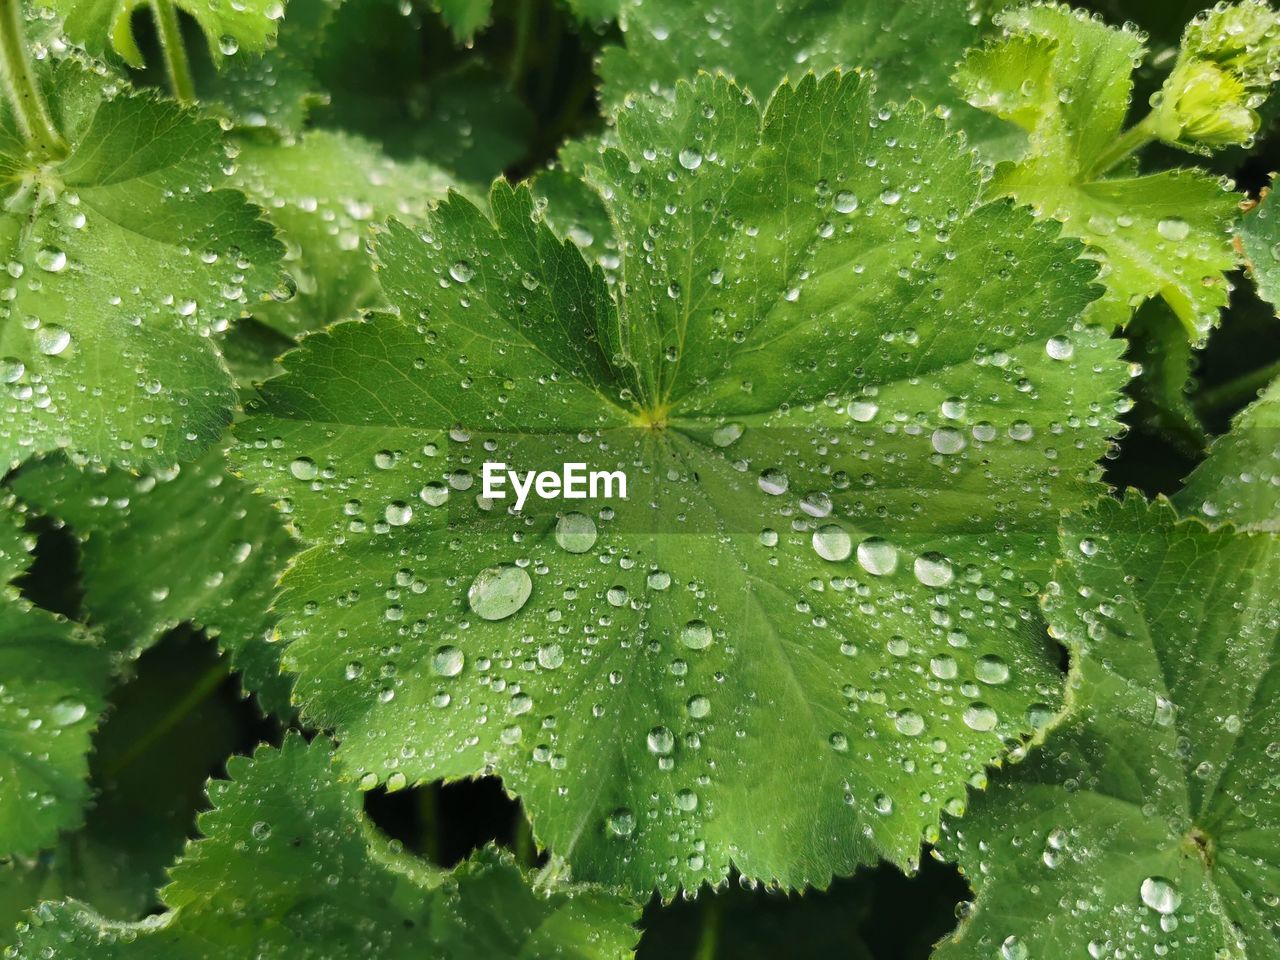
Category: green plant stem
<point>429,811</point>
<point>1128,143</point>
<point>522,842</point>
<point>29,107</point>
<point>209,681</point>
<point>175,52</point>
<point>709,938</point>
<point>1242,390</point>
<point>524,23</point>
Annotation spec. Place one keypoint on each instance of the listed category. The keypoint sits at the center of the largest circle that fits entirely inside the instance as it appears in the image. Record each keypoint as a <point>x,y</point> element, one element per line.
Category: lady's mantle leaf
<point>290,868</point>
<point>230,26</point>
<point>1151,809</point>
<point>191,545</point>
<point>323,193</point>
<point>122,261</point>
<point>52,678</point>
<point>1065,78</point>
<point>1259,233</point>
<point>849,402</point>
<point>1239,482</point>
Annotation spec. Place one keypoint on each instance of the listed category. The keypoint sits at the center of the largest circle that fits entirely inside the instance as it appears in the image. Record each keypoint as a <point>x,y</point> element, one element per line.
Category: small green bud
<point>1204,105</point>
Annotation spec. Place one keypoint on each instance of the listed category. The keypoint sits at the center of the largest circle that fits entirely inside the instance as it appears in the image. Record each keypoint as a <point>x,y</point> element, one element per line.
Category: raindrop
<point>447,661</point>
<point>696,635</point>
<point>621,823</point>
<point>498,592</point>
<point>774,482</point>
<point>67,711</point>
<point>690,159</point>
<point>980,717</point>
<point>933,570</point>
<point>1160,895</point>
<point>576,532</point>
<point>1174,229</point>
<point>878,556</point>
<point>51,340</point>
<point>832,542</point>
<point>51,259</point>
<point>991,669</point>
<point>398,513</point>
<point>462,271</point>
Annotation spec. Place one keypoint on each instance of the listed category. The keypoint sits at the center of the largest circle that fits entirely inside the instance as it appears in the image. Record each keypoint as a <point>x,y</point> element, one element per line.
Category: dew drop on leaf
<point>576,532</point>
<point>498,592</point>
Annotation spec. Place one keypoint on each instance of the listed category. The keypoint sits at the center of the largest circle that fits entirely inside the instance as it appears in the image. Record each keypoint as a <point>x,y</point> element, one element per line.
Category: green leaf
<point>289,867</point>
<point>464,17</point>
<point>842,326</point>
<point>1151,808</point>
<point>122,262</point>
<point>280,88</point>
<point>1066,78</point>
<point>911,46</point>
<point>1163,390</point>
<point>1259,236</point>
<point>166,731</point>
<point>324,193</point>
<point>1239,482</point>
<point>248,25</point>
<point>187,545</point>
<point>52,677</point>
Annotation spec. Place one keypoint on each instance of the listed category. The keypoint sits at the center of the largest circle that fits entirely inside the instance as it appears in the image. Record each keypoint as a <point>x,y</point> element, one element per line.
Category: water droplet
<point>1014,949</point>
<point>448,661</point>
<point>696,635</point>
<point>947,441</point>
<point>51,259</point>
<point>621,823</point>
<point>690,159</point>
<point>1160,895</point>
<point>398,513</point>
<point>727,434</point>
<point>1059,348</point>
<point>228,44</point>
<point>980,717</point>
<point>67,711</point>
<point>434,494</point>
<point>550,656</point>
<point>576,532</point>
<point>462,271</point>
<point>878,556</point>
<point>661,741</point>
<point>863,411</point>
<point>261,830</point>
<point>498,592</point>
<point>698,706</point>
<point>846,202</point>
<point>910,723</point>
<point>52,339</point>
<point>774,482</point>
<point>11,369</point>
<point>933,570</point>
<point>832,542</point>
<point>1174,229</point>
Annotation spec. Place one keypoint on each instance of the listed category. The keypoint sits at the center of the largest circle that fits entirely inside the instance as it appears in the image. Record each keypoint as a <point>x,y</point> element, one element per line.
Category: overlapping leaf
<point>849,401</point>
<point>1065,78</point>
<point>1259,234</point>
<point>1239,482</point>
<point>191,545</point>
<point>323,193</point>
<point>1147,822</point>
<point>52,678</point>
<point>122,262</point>
<point>290,868</point>
<point>229,26</point>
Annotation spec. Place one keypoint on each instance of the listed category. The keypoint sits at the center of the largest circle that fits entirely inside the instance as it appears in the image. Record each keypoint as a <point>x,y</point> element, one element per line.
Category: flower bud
<point>1204,105</point>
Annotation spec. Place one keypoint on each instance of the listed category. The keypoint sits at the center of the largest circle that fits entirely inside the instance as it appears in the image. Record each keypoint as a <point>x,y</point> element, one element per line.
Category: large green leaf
<point>1147,824</point>
<point>289,867</point>
<point>122,262</point>
<point>912,46</point>
<point>1065,78</point>
<point>240,27</point>
<point>1239,482</point>
<point>166,731</point>
<point>52,678</point>
<point>323,193</point>
<point>813,350</point>
<point>188,545</point>
<point>1259,237</point>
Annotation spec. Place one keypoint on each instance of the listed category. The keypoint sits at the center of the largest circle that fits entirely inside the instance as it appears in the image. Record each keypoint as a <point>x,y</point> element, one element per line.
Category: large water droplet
<point>448,661</point>
<point>933,570</point>
<point>576,532</point>
<point>52,339</point>
<point>1160,895</point>
<point>67,711</point>
<point>832,542</point>
<point>498,592</point>
<point>696,635</point>
<point>878,556</point>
